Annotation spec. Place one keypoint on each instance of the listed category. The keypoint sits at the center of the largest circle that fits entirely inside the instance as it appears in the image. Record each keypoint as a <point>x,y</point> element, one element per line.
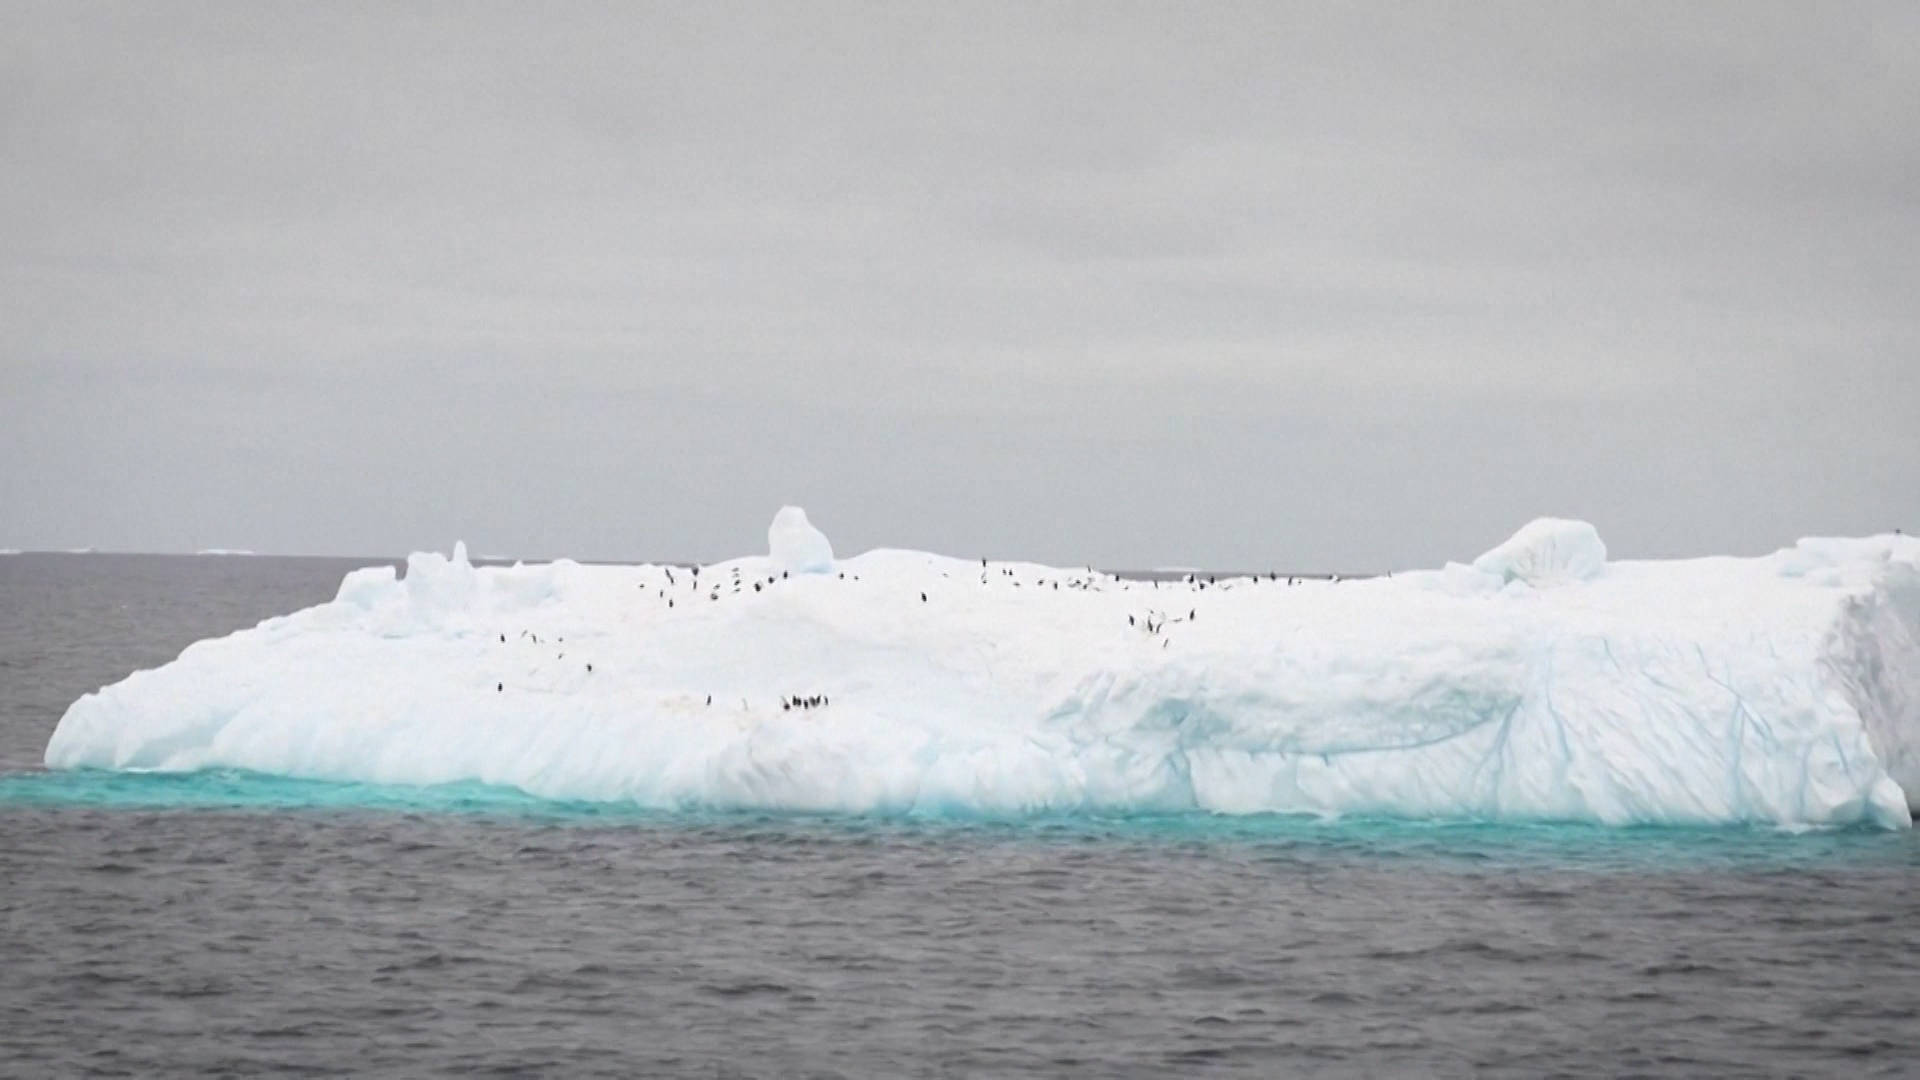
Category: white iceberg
<point>1777,690</point>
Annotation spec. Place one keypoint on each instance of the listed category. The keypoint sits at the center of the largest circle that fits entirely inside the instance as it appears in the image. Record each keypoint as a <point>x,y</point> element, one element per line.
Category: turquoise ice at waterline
<point>1542,682</point>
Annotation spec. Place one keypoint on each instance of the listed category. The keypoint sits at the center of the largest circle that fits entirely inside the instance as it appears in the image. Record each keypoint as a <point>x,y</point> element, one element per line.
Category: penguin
<point>756,586</point>
<point>923,598</point>
<point>1129,620</point>
<point>589,667</point>
<point>670,575</point>
<point>503,639</point>
<point>709,699</point>
<point>669,601</point>
<point>499,686</point>
<point>1191,614</point>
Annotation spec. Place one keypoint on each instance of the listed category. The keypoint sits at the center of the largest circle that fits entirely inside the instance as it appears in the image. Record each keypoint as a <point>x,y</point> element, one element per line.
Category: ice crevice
<point>1542,681</point>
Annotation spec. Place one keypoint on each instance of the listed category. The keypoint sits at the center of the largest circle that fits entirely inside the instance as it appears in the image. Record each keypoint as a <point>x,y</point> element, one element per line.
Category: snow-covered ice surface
<point>1540,683</point>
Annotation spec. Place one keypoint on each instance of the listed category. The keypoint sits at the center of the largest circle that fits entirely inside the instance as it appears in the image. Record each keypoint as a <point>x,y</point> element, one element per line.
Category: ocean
<point>234,925</point>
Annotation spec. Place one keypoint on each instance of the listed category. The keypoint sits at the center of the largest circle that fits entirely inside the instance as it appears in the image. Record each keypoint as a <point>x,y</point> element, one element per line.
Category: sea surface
<point>235,925</point>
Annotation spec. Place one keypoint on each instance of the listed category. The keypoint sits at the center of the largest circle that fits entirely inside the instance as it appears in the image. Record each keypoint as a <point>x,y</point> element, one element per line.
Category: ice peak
<point>1547,551</point>
<point>796,546</point>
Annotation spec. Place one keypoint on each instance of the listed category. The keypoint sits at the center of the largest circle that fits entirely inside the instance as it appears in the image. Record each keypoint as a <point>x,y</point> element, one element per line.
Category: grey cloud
<point>1247,284</point>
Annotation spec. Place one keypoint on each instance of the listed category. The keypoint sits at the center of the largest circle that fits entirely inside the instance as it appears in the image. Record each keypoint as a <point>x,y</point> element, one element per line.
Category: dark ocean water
<point>228,924</point>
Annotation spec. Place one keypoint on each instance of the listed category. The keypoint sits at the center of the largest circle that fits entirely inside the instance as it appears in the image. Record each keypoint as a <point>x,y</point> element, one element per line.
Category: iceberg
<point>1541,682</point>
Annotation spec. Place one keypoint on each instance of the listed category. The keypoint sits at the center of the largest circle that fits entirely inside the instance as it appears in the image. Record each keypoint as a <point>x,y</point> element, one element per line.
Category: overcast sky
<point>1306,286</point>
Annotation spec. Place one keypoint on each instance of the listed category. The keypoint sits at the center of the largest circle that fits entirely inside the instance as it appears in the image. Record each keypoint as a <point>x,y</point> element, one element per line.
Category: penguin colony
<point>1152,621</point>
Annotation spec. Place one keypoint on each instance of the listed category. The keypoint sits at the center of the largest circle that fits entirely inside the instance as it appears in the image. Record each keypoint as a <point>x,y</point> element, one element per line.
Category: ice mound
<point>1779,690</point>
<point>795,546</point>
<point>1547,551</point>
